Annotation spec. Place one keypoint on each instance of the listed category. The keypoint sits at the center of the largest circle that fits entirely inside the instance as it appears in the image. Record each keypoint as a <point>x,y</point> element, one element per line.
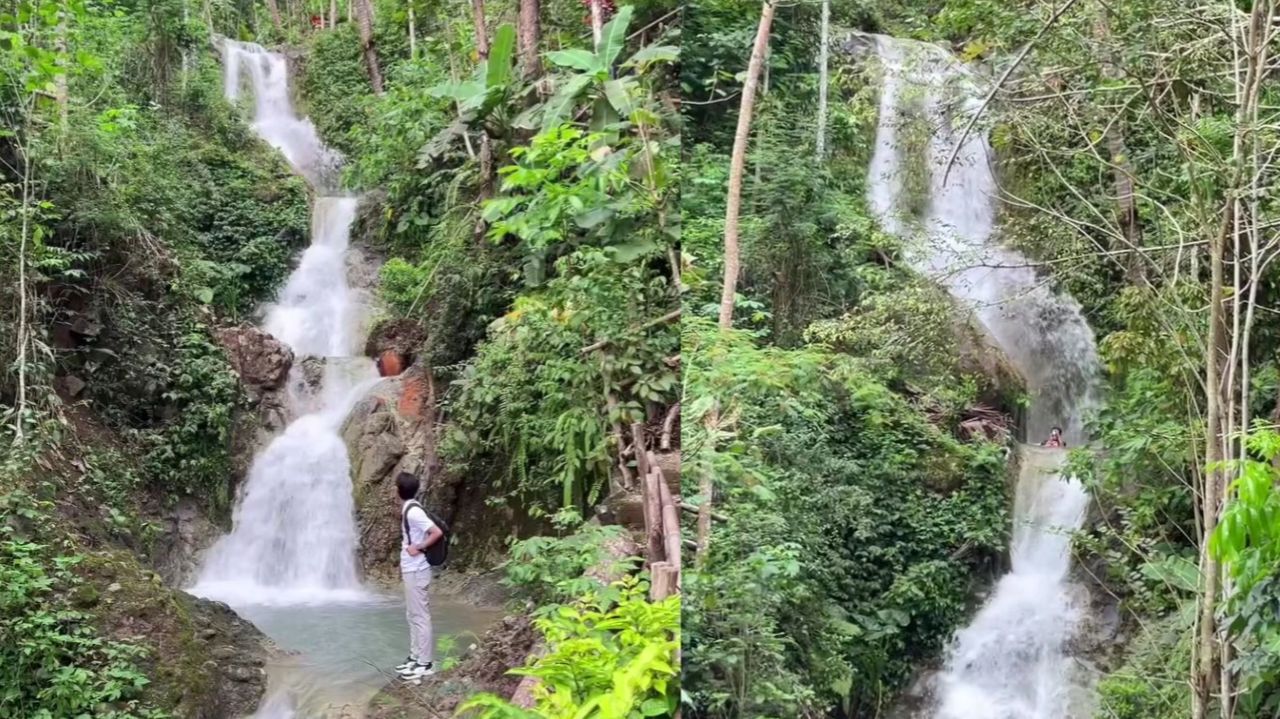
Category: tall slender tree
<point>365,13</point>
<point>530,31</point>
<point>824,49</point>
<point>733,206</point>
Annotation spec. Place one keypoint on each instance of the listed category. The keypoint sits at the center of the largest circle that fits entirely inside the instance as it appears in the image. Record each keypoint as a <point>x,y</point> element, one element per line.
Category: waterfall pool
<point>337,656</point>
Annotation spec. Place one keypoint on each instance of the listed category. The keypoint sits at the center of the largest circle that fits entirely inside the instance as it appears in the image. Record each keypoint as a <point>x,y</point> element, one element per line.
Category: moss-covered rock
<point>203,661</point>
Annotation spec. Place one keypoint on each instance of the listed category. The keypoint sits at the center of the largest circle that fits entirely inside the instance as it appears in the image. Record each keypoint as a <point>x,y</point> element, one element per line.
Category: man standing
<point>417,533</point>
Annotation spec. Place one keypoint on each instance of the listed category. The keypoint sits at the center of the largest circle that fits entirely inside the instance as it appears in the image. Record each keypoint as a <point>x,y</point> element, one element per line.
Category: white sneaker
<point>406,664</point>
<point>416,672</point>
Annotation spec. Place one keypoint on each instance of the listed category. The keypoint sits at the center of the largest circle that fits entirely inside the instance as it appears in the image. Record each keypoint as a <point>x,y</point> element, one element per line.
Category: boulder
<point>395,343</point>
<point>204,661</point>
<point>262,361</point>
<point>383,441</point>
<point>185,531</point>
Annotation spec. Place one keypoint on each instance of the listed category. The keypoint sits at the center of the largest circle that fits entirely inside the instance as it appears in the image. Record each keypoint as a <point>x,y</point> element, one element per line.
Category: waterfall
<point>1011,662</point>
<point>293,534</point>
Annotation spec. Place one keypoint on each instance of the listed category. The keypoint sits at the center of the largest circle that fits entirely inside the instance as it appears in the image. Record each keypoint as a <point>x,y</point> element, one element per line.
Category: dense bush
<point>853,525</point>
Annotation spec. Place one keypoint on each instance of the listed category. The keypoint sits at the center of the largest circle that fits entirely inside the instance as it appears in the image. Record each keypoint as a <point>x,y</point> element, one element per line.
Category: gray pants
<point>417,609</point>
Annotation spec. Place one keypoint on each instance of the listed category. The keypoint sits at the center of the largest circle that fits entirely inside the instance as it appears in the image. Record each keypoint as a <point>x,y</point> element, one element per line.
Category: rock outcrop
<point>187,531</point>
<point>262,361</point>
<point>204,662</point>
<point>483,670</point>
<point>391,431</point>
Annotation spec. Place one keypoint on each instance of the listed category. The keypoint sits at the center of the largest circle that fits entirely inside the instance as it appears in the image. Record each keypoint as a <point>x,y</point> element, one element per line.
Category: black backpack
<point>438,553</point>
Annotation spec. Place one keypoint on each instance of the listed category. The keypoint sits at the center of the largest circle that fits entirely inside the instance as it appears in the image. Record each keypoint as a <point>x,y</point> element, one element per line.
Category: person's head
<point>1055,432</point>
<point>406,486</point>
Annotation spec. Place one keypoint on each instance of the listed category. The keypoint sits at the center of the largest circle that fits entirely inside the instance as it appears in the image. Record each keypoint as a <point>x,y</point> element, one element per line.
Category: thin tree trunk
<point>1121,169</point>
<point>597,24</point>
<point>333,14</point>
<point>274,7</point>
<point>737,164</point>
<point>61,93</point>
<point>530,32</point>
<point>413,35</point>
<point>1203,673</point>
<point>24,234</point>
<point>486,144</point>
<point>482,30</point>
<point>366,44</point>
<point>824,44</point>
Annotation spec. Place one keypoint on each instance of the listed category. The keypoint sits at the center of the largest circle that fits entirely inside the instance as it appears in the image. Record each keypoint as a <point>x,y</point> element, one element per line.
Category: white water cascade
<point>1012,661</point>
<point>293,536</point>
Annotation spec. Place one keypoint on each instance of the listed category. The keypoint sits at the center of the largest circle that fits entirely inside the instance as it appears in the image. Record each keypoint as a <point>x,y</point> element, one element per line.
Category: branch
<point>999,83</point>
<point>668,317</point>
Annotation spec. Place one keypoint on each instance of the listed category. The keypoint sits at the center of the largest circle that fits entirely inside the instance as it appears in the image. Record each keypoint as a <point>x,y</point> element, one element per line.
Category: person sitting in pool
<point>1055,439</point>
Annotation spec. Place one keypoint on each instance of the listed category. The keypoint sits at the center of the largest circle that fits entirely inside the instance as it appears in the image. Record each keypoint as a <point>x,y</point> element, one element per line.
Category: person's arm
<point>418,519</point>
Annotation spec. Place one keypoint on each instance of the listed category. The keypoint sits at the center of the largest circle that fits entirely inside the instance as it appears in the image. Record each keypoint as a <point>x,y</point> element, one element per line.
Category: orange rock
<point>390,364</point>
<point>411,399</point>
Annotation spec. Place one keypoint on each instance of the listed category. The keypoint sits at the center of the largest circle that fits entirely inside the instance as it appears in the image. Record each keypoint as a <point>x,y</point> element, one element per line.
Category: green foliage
<point>835,569</point>
<point>53,663</point>
<point>189,455</point>
<point>573,248</point>
<point>1151,683</point>
<point>551,570</point>
<point>606,659</point>
<point>1247,541</point>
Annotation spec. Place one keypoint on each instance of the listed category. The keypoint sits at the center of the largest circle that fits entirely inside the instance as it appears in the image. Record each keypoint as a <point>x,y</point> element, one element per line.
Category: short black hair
<point>1059,429</point>
<point>407,486</point>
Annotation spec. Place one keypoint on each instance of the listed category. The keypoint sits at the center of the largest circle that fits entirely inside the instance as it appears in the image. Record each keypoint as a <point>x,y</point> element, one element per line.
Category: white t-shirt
<point>419,525</point>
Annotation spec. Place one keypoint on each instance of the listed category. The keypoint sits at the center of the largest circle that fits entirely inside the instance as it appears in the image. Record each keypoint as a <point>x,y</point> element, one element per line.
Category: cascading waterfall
<point>293,534</point>
<point>289,564</point>
<point>1011,662</point>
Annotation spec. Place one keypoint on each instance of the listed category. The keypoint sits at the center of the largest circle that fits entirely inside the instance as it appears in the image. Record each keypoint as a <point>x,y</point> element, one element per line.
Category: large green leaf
<point>652,54</point>
<point>498,67</point>
<point>603,116</point>
<point>559,106</point>
<point>437,145</point>
<point>618,92</point>
<point>576,58</point>
<point>613,37</point>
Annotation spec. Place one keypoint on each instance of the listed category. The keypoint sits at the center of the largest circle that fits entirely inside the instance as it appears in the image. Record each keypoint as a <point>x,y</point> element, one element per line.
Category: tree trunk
<point>482,30</point>
<point>1204,671</point>
<point>413,35</point>
<point>486,144</point>
<point>366,44</point>
<point>530,32</point>
<point>597,24</point>
<point>61,94</point>
<point>274,7</point>
<point>333,14</point>
<point>824,44</point>
<point>1121,169</point>
<point>737,164</point>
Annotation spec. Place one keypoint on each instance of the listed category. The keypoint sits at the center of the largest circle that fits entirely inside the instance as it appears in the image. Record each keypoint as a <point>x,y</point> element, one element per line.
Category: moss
<point>135,603</point>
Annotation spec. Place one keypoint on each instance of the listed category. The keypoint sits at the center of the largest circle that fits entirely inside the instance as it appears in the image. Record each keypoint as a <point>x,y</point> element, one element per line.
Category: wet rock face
<point>236,654</point>
<point>388,432</point>
<point>186,532</point>
<point>262,361</point>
